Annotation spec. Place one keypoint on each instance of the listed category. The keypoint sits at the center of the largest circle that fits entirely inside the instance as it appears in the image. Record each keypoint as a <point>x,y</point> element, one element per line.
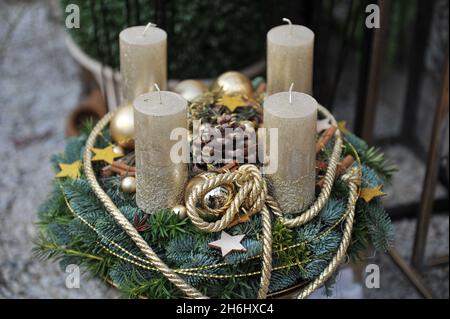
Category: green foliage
<point>88,236</point>
<point>215,34</point>
<point>369,156</point>
<point>378,223</point>
<point>376,160</point>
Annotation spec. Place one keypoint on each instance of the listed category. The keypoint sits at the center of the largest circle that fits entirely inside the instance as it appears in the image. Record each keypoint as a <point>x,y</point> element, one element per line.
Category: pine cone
<point>233,144</point>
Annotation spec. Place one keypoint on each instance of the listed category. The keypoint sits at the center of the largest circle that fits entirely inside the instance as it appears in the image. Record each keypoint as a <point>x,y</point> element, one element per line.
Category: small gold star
<point>232,102</point>
<point>370,193</point>
<point>70,170</point>
<point>342,126</point>
<point>106,154</point>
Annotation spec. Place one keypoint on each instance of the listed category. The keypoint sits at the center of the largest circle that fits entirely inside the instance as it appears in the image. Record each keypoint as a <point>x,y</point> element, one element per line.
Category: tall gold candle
<point>160,181</point>
<point>143,60</point>
<point>290,50</point>
<point>294,115</point>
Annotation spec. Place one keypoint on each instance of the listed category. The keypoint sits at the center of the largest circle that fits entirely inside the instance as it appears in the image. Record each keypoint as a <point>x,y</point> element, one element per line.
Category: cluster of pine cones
<point>237,143</point>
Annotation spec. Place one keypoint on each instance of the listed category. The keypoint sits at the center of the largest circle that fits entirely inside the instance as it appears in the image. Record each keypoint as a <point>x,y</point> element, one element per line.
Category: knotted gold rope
<point>252,197</point>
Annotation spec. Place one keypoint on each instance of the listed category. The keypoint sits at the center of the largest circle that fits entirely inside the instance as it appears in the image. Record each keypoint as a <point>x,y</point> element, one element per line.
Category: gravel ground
<point>39,85</point>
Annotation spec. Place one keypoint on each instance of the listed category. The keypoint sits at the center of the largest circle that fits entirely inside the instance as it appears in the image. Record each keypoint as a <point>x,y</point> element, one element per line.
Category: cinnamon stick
<point>325,138</point>
<point>342,166</point>
<point>123,166</point>
<point>119,168</point>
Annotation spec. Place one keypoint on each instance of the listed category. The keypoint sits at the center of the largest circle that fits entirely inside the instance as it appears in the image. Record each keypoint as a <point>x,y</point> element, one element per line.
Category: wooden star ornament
<point>370,193</point>
<point>232,102</point>
<point>70,170</point>
<point>228,243</point>
<point>106,154</point>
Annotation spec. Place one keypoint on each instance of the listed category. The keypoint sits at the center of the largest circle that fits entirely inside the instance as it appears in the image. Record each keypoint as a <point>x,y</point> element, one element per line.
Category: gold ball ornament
<point>122,127</point>
<point>233,82</point>
<point>191,89</point>
<point>194,181</point>
<point>216,201</point>
<point>180,211</point>
<point>249,126</point>
<point>118,150</point>
<point>128,184</point>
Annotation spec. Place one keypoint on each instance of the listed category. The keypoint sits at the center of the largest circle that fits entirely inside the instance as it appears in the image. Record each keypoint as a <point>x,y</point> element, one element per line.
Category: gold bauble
<point>128,184</point>
<point>195,181</point>
<point>218,199</point>
<point>233,82</point>
<point>118,150</point>
<point>180,211</point>
<point>191,89</point>
<point>122,126</point>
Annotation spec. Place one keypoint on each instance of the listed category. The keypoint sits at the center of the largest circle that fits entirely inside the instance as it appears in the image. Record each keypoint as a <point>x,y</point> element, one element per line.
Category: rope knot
<point>250,197</point>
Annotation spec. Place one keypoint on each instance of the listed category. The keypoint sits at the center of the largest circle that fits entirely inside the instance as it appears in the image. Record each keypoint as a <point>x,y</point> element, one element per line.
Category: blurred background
<point>390,85</point>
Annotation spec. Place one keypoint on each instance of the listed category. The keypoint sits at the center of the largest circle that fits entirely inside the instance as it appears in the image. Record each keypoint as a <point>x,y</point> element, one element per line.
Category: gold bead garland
<point>140,262</point>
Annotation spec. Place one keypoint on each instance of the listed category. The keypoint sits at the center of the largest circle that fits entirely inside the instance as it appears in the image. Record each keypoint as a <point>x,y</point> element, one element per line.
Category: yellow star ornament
<point>342,126</point>
<point>70,170</point>
<point>232,102</point>
<point>370,193</point>
<point>106,154</point>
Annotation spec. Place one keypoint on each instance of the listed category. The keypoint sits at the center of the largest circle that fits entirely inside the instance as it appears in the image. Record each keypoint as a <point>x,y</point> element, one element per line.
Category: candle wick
<point>290,92</point>
<point>147,27</point>
<point>290,24</point>
<point>159,91</point>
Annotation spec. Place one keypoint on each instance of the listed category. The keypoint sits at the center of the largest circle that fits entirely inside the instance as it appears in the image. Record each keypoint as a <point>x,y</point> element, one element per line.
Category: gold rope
<point>353,179</point>
<point>251,196</point>
<point>121,220</point>
<point>325,192</point>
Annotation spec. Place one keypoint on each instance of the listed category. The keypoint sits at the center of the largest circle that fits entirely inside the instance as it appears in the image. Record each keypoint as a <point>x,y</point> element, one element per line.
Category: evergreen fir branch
<point>359,144</point>
<point>326,244</point>
<point>332,212</point>
<point>48,250</point>
<point>375,159</point>
<point>254,248</point>
<point>379,227</point>
<point>329,285</point>
<point>308,231</point>
<point>283,279</point>
<point>180,249</point>
<point>314,268</point>
<point>370,178</point>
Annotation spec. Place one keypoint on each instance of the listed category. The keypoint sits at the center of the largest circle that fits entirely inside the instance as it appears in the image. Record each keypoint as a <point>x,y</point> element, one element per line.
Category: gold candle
<point>290,50</point>
<point>160,181</point>
<point>143,60</point>
<point>294,114</point>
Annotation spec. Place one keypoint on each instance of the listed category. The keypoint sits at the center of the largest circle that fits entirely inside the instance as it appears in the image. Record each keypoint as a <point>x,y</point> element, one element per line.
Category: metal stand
<point>418,262</point>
